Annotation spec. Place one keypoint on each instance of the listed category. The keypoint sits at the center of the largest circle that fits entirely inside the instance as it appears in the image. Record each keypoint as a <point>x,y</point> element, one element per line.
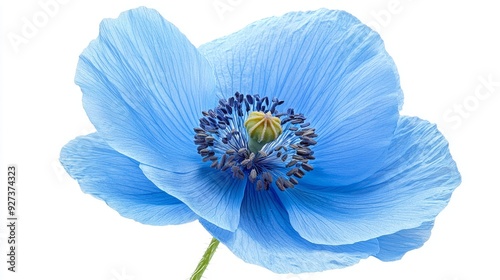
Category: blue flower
<point>342,178</point>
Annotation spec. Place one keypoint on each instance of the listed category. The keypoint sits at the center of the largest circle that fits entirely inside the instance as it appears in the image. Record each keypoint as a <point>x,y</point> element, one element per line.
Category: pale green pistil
<point>262,128</point>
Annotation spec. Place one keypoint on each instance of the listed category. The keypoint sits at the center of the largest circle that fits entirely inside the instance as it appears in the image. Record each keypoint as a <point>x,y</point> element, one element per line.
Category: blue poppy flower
<point>284,140</point>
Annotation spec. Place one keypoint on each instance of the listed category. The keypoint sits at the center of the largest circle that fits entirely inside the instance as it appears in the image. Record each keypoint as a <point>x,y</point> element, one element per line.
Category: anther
<point>308,141</point>
<point>299,173</point>
<point>247,163</point>
<point>292,171</point>
<point>237,173</point>
<point>267,177</point>
<point>252,156</point>
<point>303,152</point>
<point>253,175</point>
<point>222,161</point>
<point>288,184</point>
<point>280,183</point>
<point>207,158</point>
<point>262,154</point>
<point>260,185</point>
<point>297,157</point>
<point>249,99</point>
<point>306,166</point>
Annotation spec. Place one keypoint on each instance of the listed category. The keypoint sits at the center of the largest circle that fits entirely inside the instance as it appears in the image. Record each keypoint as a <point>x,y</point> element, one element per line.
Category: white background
<point>443,50</point>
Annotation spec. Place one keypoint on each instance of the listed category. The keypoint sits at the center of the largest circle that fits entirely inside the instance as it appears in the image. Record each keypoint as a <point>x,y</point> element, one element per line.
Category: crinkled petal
<point>328,66</point>
<point>414,185</point>
<point>394,246</point>
<point>118,180</point>
<point>214,195</point>
<point>266,238</point>
<point>144,85</point>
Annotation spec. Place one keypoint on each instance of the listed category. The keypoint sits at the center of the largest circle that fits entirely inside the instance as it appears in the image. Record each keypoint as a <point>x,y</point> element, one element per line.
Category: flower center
<point>247,137</point>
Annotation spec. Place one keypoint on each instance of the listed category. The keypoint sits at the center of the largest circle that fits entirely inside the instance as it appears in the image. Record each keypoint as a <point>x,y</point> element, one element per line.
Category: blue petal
<point>394,246</point>
<point>118,180</point>
<point>266,238</point>
<point>144,86</point>
<point>214,195</point>
<point>414,185</point>
<point>328,66</point>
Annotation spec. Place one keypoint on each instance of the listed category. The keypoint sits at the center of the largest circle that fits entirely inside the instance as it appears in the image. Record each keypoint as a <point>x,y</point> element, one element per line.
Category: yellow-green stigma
<point>262,128</point>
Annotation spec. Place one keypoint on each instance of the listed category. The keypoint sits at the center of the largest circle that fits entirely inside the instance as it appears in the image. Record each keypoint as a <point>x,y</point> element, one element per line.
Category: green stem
<point>202,265</point>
